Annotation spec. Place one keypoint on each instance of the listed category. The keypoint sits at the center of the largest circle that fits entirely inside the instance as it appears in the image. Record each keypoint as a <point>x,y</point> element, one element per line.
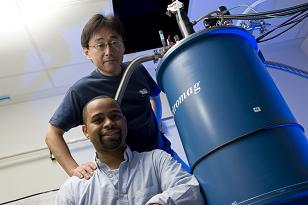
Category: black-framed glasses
<point>111,44</point>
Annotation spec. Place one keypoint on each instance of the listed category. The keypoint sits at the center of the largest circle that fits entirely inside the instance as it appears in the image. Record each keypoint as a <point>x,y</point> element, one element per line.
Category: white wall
<point>23,128</point>
<point>293,88</point>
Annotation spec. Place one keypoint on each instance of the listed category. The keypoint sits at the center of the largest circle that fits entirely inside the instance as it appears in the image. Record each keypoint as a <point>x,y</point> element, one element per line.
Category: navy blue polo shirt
<point>143,133</point>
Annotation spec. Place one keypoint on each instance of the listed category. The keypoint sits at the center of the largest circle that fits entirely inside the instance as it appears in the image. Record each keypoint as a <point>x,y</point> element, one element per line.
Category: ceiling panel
<point>69,74</point>
<point>285,4</point>
<point>17,52</point>
<point>27,83</point>
<point>57,34</point>
<point>40,47</point>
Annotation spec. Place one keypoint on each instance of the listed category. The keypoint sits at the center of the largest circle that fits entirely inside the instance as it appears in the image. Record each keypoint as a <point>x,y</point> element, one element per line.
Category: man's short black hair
<point>84,110</point>
<point>97,22</point>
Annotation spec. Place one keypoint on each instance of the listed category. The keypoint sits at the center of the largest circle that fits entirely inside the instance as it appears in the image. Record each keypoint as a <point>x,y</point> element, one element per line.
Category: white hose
<point>178,10</point>
<point>238,23</point>
<point>181,22</point>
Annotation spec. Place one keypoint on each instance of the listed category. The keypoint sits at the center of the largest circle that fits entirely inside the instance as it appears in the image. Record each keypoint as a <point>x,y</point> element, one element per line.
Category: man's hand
<point>84,170</point>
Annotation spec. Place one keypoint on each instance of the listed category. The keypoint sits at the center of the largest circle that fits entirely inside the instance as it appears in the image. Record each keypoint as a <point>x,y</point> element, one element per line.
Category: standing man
<point>102,43</point>
<point>123,176</point>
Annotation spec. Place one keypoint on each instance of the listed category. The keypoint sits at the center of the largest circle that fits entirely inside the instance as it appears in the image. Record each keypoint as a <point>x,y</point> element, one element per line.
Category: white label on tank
<point>257,109</point>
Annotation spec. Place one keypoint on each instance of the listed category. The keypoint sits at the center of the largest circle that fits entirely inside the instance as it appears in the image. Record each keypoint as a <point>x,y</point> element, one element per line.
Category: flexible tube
<point>287,68</point>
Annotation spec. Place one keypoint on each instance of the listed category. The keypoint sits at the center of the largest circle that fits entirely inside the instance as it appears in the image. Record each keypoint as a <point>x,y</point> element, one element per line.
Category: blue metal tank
<point>241,140</point>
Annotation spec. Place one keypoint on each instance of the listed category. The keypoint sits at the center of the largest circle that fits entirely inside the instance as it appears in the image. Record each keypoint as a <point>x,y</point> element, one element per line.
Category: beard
<point>111,142</point>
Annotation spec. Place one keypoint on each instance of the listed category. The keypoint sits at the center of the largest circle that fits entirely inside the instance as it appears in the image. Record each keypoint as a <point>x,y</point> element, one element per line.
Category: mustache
<point>110,131</point>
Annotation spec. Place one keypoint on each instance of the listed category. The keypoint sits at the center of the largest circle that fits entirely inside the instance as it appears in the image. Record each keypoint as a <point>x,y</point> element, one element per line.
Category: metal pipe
<point>129,71</point>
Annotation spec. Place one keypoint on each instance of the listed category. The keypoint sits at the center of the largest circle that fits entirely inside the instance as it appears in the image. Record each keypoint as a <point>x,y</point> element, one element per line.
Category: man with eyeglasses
<point>102,43</point>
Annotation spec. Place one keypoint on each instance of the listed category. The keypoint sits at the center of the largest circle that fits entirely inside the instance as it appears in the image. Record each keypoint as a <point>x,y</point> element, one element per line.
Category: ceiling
<point>40,41</point>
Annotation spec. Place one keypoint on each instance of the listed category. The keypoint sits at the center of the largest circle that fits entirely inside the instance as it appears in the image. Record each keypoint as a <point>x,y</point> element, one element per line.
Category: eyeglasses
<point>111,44</point>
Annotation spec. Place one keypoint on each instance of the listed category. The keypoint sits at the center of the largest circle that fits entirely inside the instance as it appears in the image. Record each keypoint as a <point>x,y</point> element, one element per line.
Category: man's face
<point>105,125</point>
<point>106,50</point>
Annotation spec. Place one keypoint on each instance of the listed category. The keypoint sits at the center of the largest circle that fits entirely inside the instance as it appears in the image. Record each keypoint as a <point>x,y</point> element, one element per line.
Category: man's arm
<point>178,186</point>
<point>56,144</point>
<point>156,107</point>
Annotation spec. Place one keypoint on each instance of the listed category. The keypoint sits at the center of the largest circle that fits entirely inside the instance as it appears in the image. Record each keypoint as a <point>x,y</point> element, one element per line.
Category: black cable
<point>267,14</point>
<point>280,12</point>
<point>207,15</point>
<point>221,16</point>
<point>25,197</point>
<point>258,17</point>
<point>291,20</point>
<point>294,19</point>
<point>300,18</point>
<point>260,41</point>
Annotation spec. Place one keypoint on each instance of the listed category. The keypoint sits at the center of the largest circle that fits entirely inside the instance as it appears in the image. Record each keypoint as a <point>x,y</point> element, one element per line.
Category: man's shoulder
<point>85,79</point>
<point>75,182</point>
<point>75,189</point>
<point>75,185</point>
<point>153,154</point>
<point>94,80</point>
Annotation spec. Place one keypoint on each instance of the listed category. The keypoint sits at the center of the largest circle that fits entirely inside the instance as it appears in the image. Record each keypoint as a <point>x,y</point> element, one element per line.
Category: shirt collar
<point>127,157</point>
<point>98,72</point>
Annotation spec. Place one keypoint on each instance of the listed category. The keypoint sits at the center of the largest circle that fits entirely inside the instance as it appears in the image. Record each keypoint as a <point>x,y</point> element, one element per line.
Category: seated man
<point>122,175</point>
